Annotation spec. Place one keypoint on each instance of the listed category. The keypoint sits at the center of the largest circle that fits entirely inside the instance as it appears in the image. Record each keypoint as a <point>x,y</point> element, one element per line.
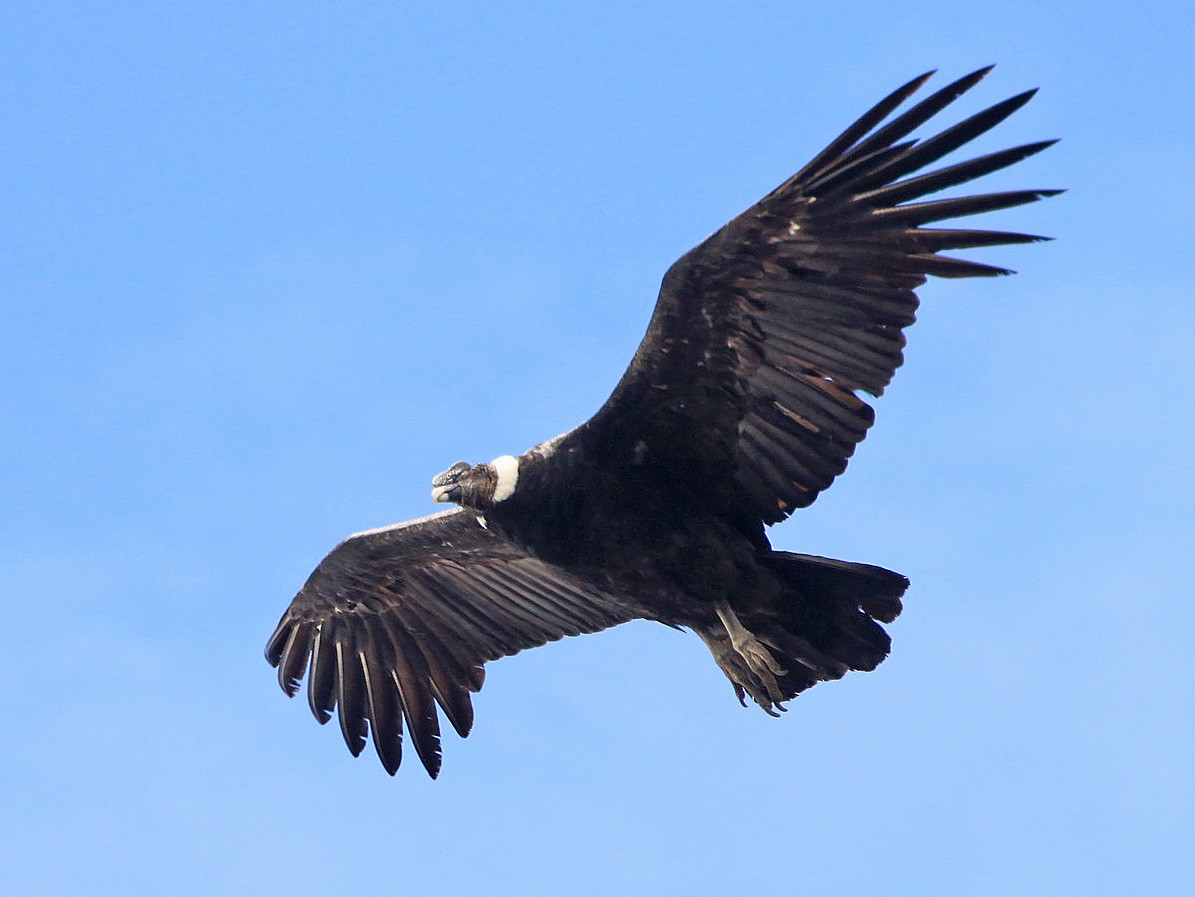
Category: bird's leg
<point>732,664</point>
<point>753,654</point>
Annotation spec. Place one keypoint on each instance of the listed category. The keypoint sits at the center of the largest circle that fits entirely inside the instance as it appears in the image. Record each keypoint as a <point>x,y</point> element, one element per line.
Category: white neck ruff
<point>507,467</point>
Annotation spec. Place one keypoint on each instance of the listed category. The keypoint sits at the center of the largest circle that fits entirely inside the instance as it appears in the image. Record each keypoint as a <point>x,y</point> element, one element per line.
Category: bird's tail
<point>827,620</point>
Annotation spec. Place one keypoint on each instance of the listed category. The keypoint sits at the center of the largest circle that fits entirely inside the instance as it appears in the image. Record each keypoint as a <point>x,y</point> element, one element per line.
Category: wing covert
<point>397,620</point>
<point>763,335</point>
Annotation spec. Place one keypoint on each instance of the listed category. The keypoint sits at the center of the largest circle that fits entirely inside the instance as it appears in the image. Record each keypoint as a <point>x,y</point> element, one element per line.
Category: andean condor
<point>740,406</point>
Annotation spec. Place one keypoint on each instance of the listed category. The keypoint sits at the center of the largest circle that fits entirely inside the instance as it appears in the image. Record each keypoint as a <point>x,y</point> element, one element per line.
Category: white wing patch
<point>403,525</point>
<point>507,467</point>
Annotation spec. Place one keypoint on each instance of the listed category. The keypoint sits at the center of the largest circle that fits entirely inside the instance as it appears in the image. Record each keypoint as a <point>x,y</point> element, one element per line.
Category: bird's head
<point>477,486</point>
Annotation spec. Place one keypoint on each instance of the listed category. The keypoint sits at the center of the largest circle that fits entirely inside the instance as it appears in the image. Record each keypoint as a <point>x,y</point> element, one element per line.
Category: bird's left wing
<point>763,335</point>
<point>398,619</point>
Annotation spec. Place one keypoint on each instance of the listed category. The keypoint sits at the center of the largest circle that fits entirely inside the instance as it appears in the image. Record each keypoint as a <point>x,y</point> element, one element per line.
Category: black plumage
<point>740,406</point>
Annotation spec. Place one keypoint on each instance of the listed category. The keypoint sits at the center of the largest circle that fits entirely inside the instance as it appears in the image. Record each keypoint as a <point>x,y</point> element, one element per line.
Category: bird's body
<point>740,406</point>
<point>628,528</point>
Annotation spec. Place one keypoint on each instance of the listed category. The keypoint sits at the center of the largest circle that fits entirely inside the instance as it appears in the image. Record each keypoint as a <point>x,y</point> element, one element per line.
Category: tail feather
<point>829,618</point>
<point>876,590</point>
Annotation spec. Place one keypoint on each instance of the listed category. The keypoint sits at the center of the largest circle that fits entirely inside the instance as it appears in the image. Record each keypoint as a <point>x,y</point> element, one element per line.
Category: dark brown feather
<point>396,621</point>
<point>385,714</point>
<point>321,682</point>
<point>350,691</point>
<point>907,122</point>
<point>800,301</point>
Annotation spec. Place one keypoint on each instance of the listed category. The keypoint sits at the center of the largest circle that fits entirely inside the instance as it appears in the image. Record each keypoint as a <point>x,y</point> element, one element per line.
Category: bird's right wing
<point>398,619</point>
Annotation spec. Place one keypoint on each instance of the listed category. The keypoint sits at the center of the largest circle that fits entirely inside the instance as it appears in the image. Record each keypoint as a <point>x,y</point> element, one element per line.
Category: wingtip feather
<point>350,686</point>
<point>293,661</point>
<point>277,641</point>
<point>321,676</point>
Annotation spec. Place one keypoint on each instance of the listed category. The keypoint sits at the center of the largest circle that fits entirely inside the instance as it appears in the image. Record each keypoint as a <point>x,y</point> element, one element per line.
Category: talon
<point>758,658</point>
<point>747,663</point>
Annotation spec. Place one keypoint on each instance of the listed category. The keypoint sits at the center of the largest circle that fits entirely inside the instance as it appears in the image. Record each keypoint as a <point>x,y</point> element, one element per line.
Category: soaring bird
<point>740,406</point>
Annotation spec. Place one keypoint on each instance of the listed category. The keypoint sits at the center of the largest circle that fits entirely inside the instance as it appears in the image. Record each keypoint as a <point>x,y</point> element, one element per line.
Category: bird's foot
<point>746,661</point>
<point>755,654</point>
<point>744,682</point>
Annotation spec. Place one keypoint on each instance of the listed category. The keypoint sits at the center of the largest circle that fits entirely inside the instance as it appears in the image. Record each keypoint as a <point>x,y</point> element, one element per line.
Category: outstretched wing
<point>763,334</point>
<point>398,619</point>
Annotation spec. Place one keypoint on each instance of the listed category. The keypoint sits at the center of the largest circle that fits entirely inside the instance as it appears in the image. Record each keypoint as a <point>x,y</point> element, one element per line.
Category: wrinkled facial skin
<point>471,486</point>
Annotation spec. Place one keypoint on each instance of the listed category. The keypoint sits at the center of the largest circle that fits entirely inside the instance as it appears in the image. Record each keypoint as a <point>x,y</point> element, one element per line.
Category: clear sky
<point>266,269</point>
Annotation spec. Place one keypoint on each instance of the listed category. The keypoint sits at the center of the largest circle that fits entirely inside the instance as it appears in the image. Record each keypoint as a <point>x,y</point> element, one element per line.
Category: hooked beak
<point>446,494</point>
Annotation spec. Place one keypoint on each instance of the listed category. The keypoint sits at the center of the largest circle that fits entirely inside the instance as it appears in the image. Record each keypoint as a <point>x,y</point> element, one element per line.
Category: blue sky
<point>267,269</point>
